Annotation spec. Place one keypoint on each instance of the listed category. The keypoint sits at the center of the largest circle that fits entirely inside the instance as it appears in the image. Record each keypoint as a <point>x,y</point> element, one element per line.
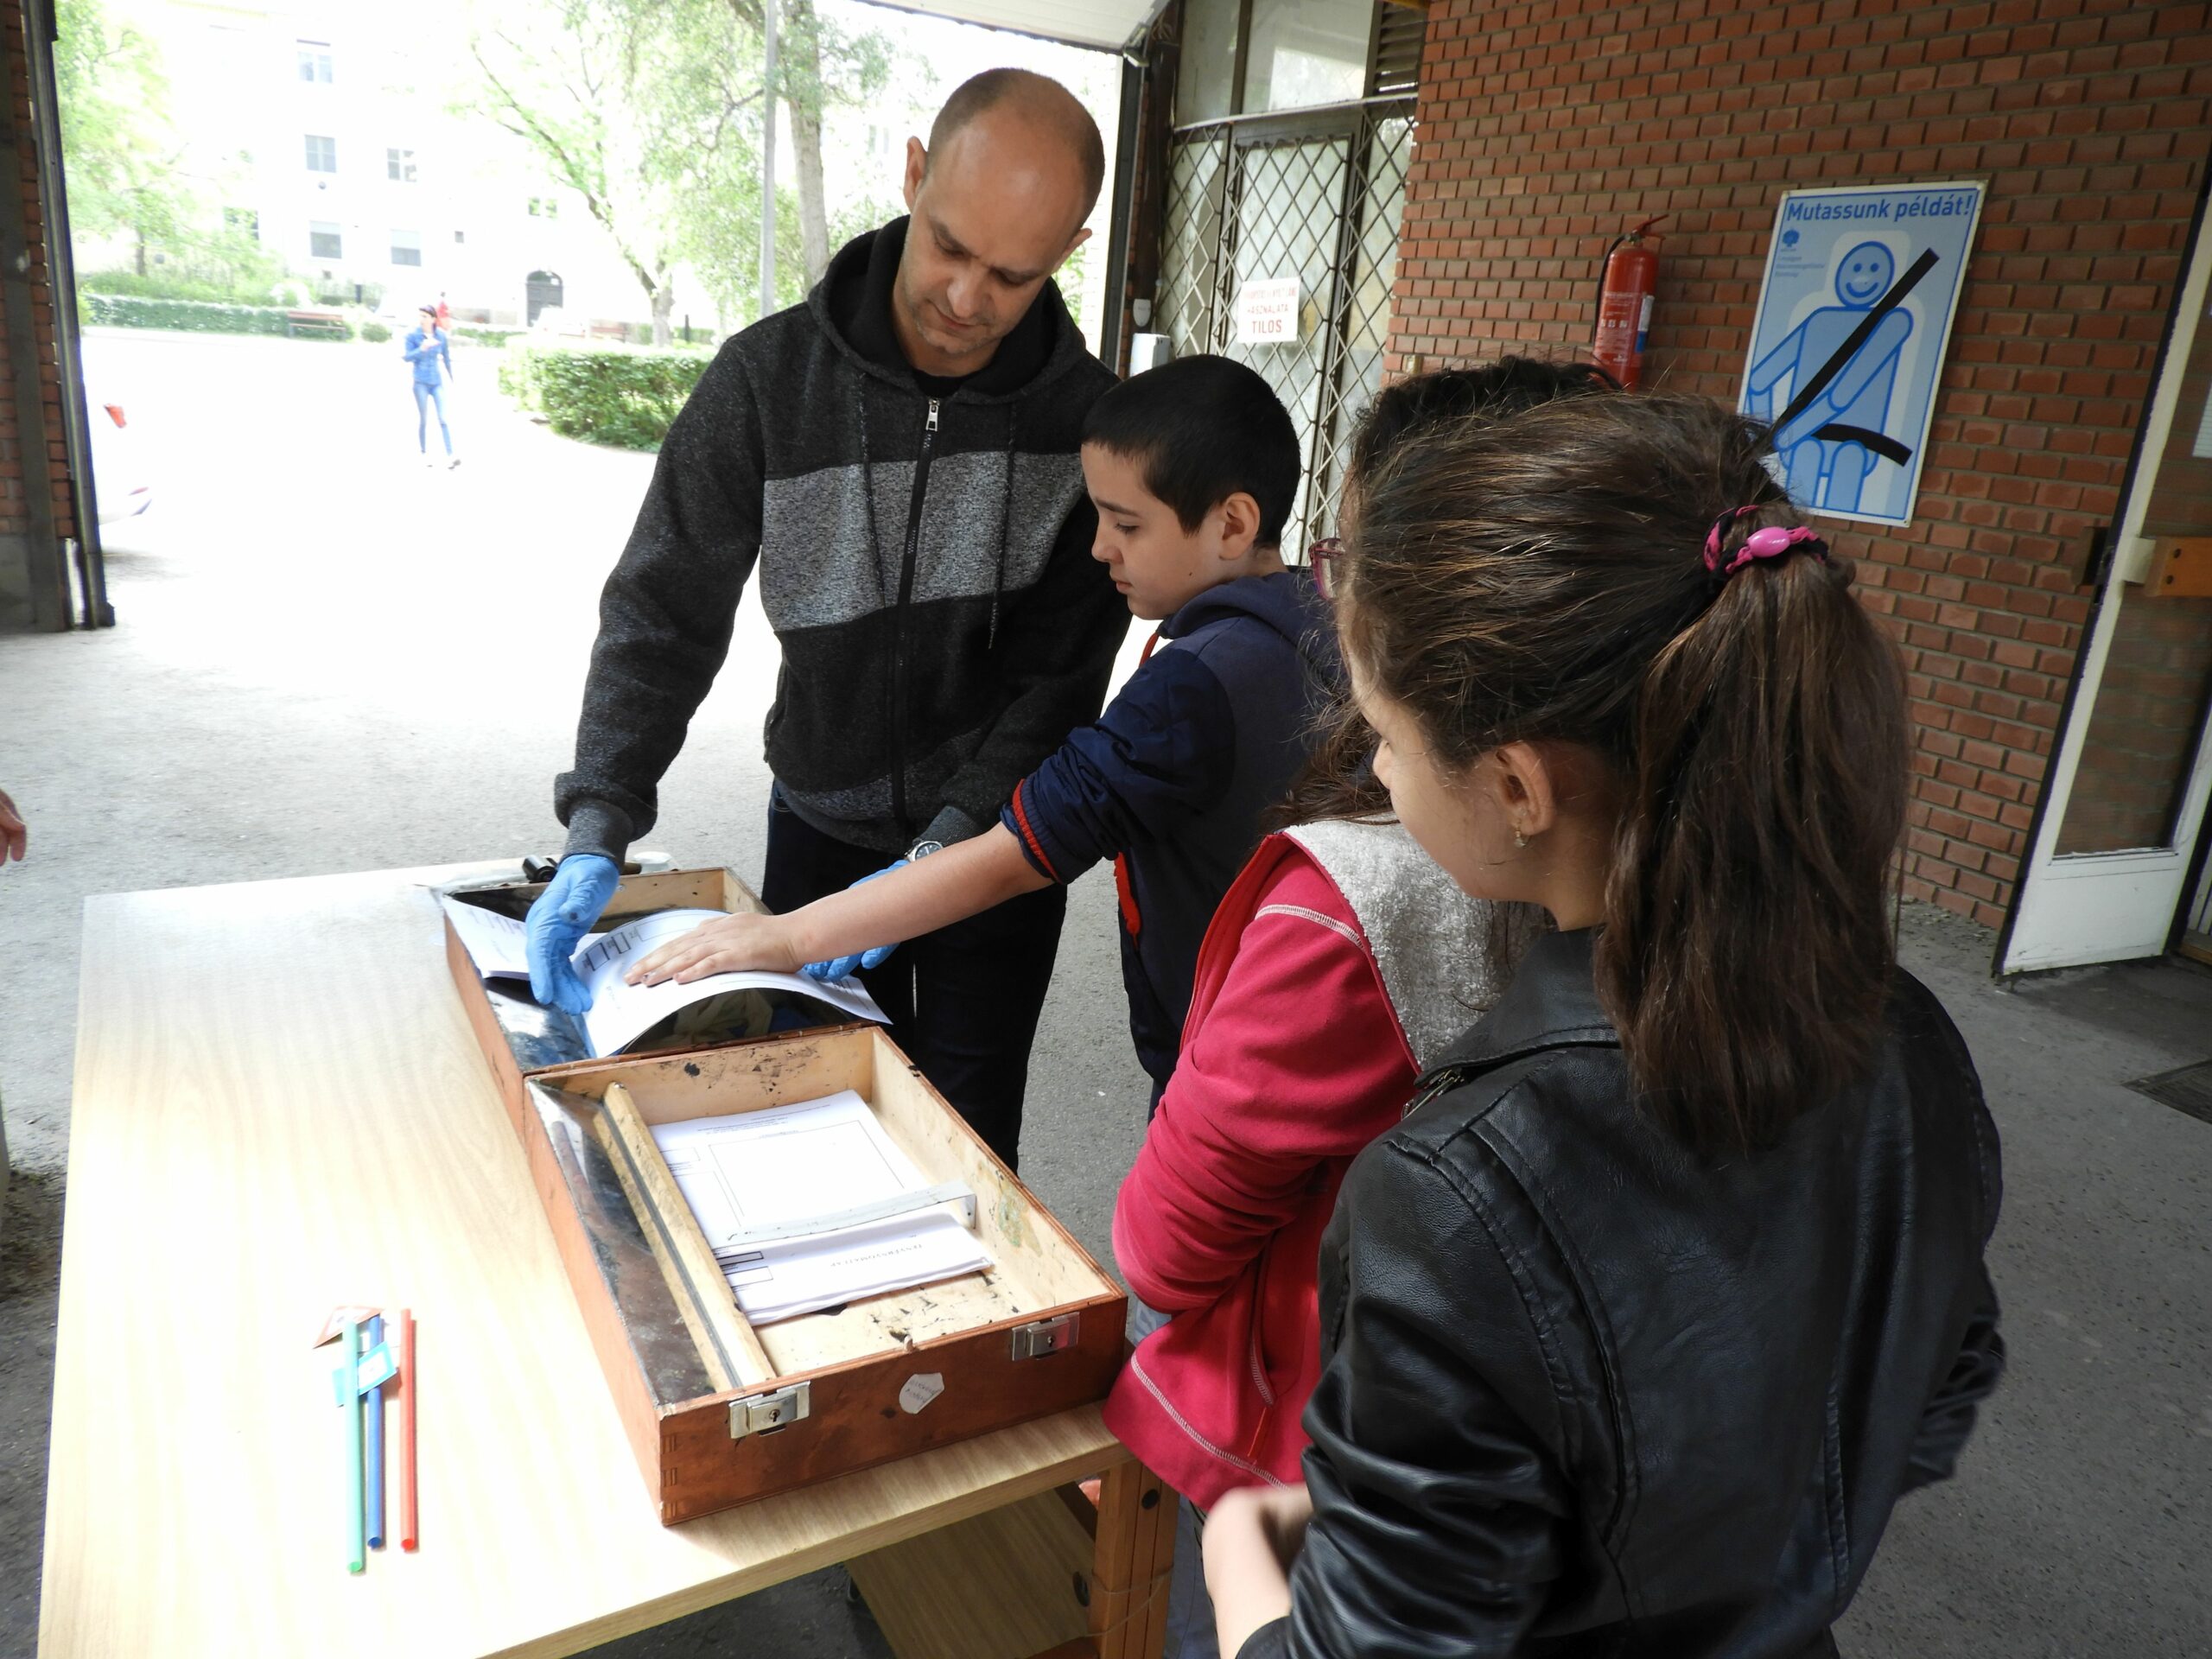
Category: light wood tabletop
<point>279,1108</point>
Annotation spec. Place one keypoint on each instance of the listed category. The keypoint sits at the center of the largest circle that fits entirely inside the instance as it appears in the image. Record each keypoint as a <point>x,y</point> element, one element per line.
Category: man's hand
<point>846,967</point>
<point>14,839</point>
<point>728,945</point>
<point>558,922</point>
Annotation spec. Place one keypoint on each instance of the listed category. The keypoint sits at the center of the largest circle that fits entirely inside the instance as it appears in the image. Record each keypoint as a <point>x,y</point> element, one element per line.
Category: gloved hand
<point>846,967</point>
<point>558,922</point>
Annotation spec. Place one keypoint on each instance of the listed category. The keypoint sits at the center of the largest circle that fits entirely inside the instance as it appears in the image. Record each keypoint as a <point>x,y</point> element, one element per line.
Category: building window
<point>324,241</point>
<point>399,166</point>
<point>406,248</point>
<point>459,236</point>
<point>1307,53</point>
<point>544,207</point>
<point>314,61</point>
<point>243,220</point>
<point>322,154</point>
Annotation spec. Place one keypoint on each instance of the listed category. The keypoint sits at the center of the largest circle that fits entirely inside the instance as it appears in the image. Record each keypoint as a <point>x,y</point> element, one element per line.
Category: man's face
<point>995,213</point>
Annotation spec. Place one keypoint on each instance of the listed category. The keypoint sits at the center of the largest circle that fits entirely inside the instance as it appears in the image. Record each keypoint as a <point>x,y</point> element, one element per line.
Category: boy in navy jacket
<point>1192,467</point>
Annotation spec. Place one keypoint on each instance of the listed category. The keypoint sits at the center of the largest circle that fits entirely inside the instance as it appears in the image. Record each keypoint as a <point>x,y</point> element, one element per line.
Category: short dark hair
<point>1203,428</point>
<point>1040,96</point>
<point>1426,402</point>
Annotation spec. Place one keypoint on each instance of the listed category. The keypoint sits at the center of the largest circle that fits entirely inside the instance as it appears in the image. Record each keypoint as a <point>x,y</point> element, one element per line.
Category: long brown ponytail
<point>1542,580</point>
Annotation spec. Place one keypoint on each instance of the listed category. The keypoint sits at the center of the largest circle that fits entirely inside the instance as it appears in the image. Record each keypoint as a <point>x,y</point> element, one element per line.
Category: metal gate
<point>1316,195</point>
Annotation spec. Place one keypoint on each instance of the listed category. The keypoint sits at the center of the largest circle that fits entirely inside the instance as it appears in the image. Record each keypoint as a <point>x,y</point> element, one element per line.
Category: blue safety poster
<point>1855,317</point>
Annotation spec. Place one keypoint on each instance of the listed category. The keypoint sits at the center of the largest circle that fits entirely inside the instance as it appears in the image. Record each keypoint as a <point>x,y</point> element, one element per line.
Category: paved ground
<point>330,658</point>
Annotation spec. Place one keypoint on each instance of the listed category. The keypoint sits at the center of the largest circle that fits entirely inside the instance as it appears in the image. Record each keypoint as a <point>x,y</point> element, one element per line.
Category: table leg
<point>1134,1559</point>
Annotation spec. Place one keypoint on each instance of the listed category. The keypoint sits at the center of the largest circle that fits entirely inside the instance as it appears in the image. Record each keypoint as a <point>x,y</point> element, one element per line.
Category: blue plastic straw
<point>375,1409</point>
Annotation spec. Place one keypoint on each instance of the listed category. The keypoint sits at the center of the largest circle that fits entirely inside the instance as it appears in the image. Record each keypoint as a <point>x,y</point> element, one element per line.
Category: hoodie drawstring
<point>868,498</point>
<point>1005,522</point>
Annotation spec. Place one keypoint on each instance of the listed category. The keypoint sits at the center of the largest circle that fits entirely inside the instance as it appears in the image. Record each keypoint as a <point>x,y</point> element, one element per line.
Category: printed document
<point>813,1158</point>
<point>621,1012</point>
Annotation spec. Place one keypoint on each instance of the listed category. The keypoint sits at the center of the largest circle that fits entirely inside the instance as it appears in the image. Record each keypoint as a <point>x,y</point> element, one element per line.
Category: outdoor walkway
<point>330,658</point>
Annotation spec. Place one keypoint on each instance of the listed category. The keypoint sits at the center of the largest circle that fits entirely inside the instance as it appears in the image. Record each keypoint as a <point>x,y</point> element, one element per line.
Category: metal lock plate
<point>763,1414</point>
<point>1046,1336</point>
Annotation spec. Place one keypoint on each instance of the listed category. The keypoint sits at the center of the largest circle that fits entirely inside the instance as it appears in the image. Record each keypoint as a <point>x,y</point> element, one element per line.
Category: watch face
<point>923,849</point>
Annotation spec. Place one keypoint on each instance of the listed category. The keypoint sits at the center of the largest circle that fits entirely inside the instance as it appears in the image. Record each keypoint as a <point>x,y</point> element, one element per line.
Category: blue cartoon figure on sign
<point>1828,445</point>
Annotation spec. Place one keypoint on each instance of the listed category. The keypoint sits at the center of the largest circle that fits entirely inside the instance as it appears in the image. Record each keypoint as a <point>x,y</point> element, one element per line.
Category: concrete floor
<point>329,657</point>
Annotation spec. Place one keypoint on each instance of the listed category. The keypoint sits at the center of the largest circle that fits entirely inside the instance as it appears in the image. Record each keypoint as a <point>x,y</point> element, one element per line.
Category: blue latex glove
<point>846,967</point>
<point>557,924</point>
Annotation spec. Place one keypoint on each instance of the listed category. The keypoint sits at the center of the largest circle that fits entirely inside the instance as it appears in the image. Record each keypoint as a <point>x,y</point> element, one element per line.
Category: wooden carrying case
<point>716,1412</point>
<point>719,1413</point>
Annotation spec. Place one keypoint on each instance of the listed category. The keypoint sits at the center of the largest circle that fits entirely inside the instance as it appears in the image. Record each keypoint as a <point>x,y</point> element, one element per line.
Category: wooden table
<point>279,1108</point>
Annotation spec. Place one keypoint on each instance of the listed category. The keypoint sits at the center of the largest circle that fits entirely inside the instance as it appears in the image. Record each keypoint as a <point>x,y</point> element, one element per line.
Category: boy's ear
<point>1240,524</point>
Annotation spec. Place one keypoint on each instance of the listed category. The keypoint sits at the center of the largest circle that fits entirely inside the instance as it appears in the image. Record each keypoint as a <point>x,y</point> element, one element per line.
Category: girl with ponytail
<point>1669,1284</point>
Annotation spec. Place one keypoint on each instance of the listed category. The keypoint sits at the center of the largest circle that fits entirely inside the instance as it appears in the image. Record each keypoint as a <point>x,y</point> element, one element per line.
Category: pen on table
<point>349,1396</point>
<point>407,1392</point>
<point>374,1407</point>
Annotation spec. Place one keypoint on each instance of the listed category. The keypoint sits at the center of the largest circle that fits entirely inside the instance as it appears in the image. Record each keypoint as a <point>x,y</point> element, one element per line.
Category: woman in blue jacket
<point>427,346</point>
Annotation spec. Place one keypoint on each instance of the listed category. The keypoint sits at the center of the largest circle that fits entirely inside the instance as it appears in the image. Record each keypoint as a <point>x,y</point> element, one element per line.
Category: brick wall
<point>1546,128</point>
<point>36,460</point>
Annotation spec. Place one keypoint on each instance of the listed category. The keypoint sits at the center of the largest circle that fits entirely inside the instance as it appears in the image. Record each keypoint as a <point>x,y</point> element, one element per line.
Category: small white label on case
<point>921,1388</point>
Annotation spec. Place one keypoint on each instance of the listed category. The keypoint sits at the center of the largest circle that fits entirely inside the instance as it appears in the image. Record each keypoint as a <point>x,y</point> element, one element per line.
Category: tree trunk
<point>803,97</point>
<point>663,302</point>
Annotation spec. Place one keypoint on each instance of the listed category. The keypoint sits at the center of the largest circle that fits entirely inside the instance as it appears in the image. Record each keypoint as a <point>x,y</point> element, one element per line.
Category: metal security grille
<point>1317,195</point>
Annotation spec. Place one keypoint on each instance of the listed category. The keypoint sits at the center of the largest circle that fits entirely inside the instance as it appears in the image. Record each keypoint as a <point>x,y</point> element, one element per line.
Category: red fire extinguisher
<point>1624,303</point>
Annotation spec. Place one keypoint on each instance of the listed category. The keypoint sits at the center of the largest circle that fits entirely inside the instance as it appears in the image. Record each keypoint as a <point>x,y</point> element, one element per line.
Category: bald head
<point>1037,101</point>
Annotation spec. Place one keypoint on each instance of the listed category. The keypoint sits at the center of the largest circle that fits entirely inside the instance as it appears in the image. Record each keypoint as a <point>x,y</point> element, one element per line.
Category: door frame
<point>2063,908</point>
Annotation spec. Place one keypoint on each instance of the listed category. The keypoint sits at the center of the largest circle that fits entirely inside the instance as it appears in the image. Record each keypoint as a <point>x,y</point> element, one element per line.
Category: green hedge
<point>375,332</point>
<point>621,395</point>
<point>194,316</point>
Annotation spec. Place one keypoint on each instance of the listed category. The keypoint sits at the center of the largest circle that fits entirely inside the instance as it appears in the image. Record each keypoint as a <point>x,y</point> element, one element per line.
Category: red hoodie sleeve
<point>1297,1062</point>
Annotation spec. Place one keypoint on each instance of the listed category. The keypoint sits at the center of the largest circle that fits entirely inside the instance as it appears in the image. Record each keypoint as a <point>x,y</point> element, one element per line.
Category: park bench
<point>315,322</point>
<point>608,331</point>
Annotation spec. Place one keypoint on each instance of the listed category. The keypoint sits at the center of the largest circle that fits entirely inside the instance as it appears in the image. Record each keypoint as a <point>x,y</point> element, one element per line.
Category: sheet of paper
<point>750,1170</point>
<point>499,946</point>
<point>621,1012</point>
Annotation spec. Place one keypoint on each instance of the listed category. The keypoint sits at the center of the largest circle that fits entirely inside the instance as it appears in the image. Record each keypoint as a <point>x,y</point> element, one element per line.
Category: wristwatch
<point>923,849</point>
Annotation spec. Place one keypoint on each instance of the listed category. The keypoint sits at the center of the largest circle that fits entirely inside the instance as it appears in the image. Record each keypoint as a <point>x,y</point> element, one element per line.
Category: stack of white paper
<point>786,1164</point>
<point>621,1012</point>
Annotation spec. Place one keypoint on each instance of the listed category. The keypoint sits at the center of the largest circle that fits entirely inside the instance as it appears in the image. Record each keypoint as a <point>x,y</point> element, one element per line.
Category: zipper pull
<point>931,424</point>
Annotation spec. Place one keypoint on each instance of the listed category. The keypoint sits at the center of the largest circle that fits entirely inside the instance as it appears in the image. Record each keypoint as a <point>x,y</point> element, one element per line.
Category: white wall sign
<point>1268,311</point>
<point>1862,283</point>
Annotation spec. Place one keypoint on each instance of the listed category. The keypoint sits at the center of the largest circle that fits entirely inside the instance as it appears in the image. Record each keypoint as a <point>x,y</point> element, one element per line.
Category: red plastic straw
<point>407,1392</point>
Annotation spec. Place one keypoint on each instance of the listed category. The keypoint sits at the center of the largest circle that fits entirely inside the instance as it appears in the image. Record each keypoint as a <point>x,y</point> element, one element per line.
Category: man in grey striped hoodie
<point>898,457</point>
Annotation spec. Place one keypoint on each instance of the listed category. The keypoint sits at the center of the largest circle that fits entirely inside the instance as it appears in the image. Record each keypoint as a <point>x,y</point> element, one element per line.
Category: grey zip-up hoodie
<point>924,561</point>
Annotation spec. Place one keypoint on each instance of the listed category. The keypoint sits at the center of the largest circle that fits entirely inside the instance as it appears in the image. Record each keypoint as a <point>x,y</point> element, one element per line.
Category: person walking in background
<point>14,839</point>
<point>430,349</point>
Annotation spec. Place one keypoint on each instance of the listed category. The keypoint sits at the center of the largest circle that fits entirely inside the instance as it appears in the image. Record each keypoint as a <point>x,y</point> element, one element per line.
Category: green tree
<point>117,145</point>
<point>651,110</point>
<point>639,106</point>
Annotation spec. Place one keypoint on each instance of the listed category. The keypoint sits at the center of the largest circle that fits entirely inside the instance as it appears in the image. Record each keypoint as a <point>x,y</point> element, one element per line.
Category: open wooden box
<point>719,1413</point>
<point>520,1037</point>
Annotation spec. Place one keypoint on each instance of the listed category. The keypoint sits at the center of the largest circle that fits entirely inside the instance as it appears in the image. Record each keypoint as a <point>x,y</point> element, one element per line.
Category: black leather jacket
<point>1583,1394</point>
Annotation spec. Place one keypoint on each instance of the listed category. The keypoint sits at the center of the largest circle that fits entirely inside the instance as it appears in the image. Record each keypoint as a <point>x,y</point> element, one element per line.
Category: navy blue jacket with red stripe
<point>1172,779</point>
